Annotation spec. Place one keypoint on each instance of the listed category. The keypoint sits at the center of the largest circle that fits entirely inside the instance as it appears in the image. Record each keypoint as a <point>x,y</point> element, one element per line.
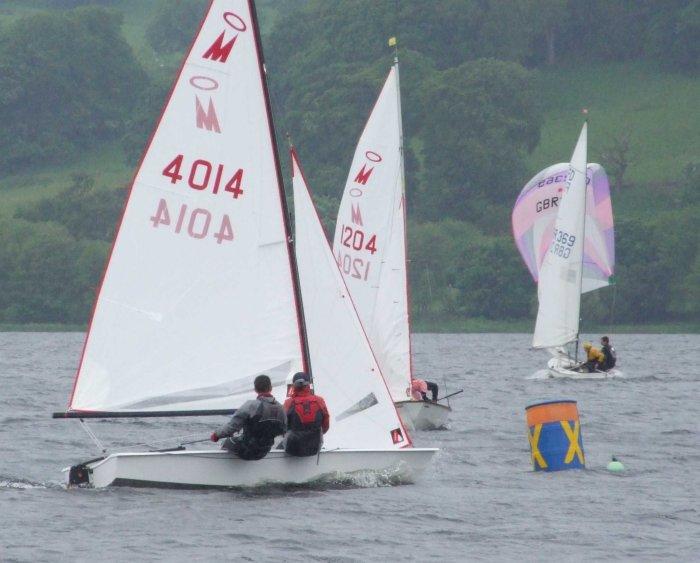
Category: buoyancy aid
<point>259,433</point>
<point>418,389</point>
<point>610,356</point>
<point>304,413</point>
<point>305,423</point>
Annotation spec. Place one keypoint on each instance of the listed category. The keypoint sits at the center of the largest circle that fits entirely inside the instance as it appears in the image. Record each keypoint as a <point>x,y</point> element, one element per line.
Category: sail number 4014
<point>203,175</point>
<point>195,222</point>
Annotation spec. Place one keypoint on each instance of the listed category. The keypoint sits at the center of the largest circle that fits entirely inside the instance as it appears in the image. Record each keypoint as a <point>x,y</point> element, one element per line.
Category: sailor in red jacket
<point>307,418</point>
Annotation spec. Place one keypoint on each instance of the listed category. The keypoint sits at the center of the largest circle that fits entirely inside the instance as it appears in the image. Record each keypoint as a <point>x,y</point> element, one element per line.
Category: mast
<point>306,360</point>
<point>583,248</point>
<point>402,169</point>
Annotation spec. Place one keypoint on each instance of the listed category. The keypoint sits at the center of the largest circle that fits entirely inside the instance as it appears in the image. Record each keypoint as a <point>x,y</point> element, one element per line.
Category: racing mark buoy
<point>554,433</point>
<point>615,465</point>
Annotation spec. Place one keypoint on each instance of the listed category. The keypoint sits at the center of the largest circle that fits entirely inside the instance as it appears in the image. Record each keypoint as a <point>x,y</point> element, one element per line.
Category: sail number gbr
<point>562,243</point>
<point>203,175</point>
<point>197,223</point>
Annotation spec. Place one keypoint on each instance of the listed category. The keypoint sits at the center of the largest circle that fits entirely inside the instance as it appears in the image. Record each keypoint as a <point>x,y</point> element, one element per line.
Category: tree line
<point>69,81</point>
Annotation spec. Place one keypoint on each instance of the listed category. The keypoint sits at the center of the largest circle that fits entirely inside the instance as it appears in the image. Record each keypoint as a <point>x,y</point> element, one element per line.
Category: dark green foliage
<point>85,212</point>
<point>173,22</point>
<point>55,95</point>
<point>45,274</point>
<point>481,120</point>
<point>457,272</point>
<point>69,81</point>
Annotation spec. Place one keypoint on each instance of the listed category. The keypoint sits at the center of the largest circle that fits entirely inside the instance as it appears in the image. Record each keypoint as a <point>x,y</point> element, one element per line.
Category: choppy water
<point>480,500</point>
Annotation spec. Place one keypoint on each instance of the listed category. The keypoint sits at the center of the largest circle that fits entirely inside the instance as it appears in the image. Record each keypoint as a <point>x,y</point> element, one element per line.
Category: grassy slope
<point>107,163</point>
<point>657,109</point>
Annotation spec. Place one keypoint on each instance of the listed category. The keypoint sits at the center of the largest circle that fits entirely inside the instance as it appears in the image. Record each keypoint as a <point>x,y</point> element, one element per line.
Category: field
<point>657,110</point>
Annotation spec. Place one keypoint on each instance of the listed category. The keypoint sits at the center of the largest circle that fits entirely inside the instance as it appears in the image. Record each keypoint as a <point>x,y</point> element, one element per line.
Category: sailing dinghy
<point>202,291</point>
<point>550,217</point>
<point>370,248</point>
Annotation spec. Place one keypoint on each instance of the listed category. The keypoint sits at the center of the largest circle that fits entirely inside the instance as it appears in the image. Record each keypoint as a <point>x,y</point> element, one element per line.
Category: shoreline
<point>444,326</point>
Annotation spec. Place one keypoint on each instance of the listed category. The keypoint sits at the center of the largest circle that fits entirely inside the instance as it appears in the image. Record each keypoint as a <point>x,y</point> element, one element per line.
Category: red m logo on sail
<point>207,119</point>
<point>363,175</point>
<point>218,51</point>
<point>356,216</point>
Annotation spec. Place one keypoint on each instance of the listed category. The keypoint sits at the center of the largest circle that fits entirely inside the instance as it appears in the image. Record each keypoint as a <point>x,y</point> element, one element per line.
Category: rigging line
<point>611,321</point>
<point>151,443</point>
<point>93,436</point>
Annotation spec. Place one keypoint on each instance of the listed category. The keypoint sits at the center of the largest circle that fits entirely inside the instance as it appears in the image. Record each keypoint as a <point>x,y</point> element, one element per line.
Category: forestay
<point>370,238</point>
<point>345,371</point>
<point>197,298</point>
<point>536,210</point>
<point>559,288</point>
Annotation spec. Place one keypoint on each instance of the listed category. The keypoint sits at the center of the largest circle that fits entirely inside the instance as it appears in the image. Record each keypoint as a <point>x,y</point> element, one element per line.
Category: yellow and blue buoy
<point>554,433</point>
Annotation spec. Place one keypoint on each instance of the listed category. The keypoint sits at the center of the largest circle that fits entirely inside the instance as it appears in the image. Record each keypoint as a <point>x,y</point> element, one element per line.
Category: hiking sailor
<point>594,358</point>
<point>307,416</point>
<point>609,354</point>
<point>261,421</point>
<point>419,390</point>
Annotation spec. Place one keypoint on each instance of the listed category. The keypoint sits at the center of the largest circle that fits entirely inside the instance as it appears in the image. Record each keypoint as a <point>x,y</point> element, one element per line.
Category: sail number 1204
<point>195,222</point>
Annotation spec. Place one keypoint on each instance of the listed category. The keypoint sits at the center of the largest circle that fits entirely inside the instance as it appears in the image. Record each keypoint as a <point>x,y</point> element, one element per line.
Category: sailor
<point>594,358</point>
<point>307,416</point>
<point>609,353</point>
<point>419,389</point>
<point>260,420</point>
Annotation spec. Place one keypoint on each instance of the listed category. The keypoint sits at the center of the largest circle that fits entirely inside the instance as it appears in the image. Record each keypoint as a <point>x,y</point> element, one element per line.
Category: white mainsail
<point>370,238</point>
<point>198,296</point>
<point>345,371</point>
<point>560,283</point>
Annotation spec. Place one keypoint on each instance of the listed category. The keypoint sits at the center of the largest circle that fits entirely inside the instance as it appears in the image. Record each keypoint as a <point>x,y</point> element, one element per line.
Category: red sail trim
<point>301,323</point>
<point>295,161</point>
<point>128,198</point>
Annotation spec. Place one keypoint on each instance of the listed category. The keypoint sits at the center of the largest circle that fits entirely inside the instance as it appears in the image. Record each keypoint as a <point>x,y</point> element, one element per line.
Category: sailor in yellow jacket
<point>594,358</point>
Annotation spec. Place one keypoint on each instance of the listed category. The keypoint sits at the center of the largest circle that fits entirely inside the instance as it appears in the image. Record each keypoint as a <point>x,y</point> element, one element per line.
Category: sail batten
<point>199,291</point>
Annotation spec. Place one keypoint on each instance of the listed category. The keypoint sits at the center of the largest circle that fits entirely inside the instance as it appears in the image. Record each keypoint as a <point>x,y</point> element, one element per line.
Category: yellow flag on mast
<point>392,41</point>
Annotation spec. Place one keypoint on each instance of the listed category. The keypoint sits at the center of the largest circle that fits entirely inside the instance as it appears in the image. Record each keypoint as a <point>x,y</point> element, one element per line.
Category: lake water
<point>479,500</point>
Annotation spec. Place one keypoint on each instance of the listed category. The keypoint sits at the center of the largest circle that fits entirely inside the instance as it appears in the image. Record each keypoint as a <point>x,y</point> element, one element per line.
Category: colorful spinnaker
<point>535,212</point>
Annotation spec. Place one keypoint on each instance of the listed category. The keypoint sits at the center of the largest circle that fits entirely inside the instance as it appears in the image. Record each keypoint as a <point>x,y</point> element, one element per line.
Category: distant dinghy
<point>202,291</point>
<point>370,248</point>
<point>551,215</point>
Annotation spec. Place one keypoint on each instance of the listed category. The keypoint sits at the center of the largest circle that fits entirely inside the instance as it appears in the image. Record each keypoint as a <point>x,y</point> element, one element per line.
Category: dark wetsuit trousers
<point>246,449</point>
<point>433,388</point>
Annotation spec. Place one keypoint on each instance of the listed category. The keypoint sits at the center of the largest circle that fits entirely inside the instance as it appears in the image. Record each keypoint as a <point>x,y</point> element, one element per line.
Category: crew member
<point>419,389</point>
<point>594,358</point>
<point>307,416</point>
<point>609,353</point>
<point>261,420</point>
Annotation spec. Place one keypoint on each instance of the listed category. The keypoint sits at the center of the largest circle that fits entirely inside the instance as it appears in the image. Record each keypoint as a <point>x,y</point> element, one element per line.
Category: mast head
<point>392,43</point>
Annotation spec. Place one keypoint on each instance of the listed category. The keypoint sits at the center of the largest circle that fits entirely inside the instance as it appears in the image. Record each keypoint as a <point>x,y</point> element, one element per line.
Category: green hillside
<point>82,82</point>
<point>659,111</point>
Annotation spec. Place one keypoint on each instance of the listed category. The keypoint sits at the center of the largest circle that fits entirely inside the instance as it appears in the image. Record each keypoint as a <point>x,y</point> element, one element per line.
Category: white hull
<point>218,468</point>
<point>423,415</point>
<point>560,368</point>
